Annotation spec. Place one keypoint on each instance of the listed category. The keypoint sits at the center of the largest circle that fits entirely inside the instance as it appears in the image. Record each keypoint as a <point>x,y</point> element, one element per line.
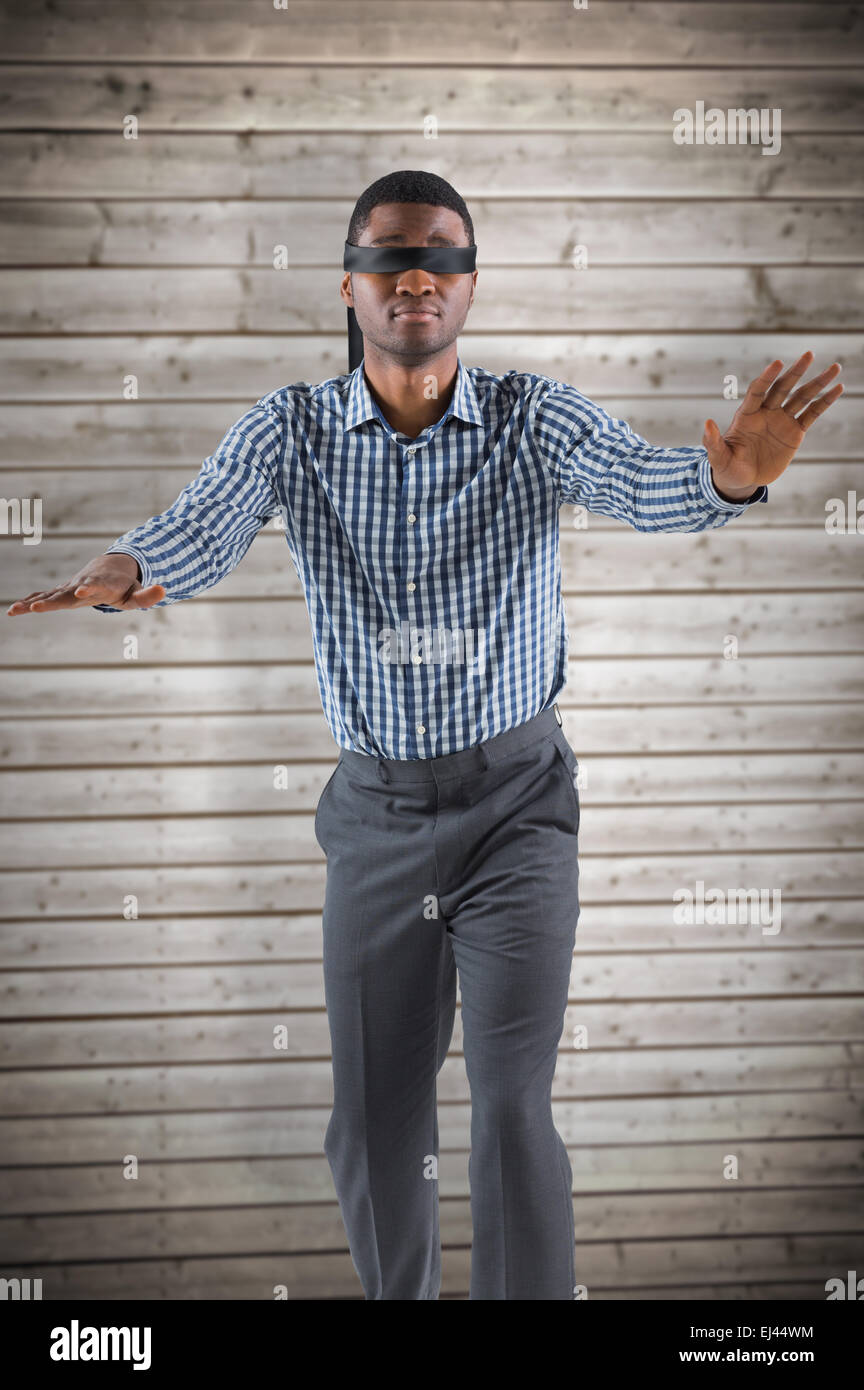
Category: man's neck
<point>412,398</point>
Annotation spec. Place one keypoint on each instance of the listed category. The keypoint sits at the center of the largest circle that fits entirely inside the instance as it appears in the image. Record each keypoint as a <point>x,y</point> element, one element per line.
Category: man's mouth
<point>416,315</point>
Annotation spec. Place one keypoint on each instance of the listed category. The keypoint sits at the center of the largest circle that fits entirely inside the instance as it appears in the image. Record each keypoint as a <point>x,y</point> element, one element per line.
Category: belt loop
<point>481,748</point>
<point>558,715</point>
<point>382,771</point>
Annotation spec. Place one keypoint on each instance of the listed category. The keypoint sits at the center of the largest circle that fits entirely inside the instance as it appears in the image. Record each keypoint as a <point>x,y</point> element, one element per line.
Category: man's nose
<point>414,282</point>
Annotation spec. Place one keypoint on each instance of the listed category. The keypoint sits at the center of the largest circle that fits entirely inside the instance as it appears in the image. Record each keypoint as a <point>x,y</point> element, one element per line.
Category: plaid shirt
<point>430,566</point>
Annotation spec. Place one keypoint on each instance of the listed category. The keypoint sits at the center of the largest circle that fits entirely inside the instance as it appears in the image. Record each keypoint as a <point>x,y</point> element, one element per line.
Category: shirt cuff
<point>123,548</point>
<point>723,504</point>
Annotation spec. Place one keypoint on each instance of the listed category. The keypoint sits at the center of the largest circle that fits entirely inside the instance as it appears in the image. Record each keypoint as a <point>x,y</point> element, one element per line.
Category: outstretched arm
<point>195,542</point>
<point>602,464</point>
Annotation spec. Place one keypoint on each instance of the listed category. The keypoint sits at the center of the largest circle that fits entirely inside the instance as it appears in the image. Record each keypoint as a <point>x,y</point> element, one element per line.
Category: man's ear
<point>345,289</point>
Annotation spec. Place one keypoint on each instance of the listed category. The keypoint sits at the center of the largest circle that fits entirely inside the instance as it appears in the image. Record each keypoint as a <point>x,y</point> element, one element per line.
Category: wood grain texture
<point>45,369</point>
<point>155,776</point>
<point>601,299</point>
<point>832,1163</point>
<point>593,561</point>
<point>619,230</point>
<point>624,625</point>
<point>502,164</point>
<point>295,936</point>
<point>304,1228</point>
<point>280,701</point>
<point>513,33</point>
<point>113,1049</point>
<point>375,97</point>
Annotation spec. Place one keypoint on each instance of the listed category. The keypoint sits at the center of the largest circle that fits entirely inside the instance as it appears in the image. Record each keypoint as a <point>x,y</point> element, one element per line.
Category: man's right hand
<point>112,579</point>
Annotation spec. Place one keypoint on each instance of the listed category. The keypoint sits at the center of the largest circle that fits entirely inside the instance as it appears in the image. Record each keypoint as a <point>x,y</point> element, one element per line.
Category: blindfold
<point>384,260</point>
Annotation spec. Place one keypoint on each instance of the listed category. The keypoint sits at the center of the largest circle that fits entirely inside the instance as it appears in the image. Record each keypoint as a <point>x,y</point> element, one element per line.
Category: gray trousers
<point>466,862</point>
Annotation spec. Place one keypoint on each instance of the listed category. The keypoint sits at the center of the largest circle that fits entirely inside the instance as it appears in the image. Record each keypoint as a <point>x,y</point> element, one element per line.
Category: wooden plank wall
<point>154,776</point>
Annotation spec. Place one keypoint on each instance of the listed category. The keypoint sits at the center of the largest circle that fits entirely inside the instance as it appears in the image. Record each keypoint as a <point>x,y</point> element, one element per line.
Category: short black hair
<point>408,186</point>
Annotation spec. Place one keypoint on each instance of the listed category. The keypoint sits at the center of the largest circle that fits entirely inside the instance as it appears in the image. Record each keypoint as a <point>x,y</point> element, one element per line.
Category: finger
<point>41,597</point>
<point>46,593</point>
<point>810,389</point>
<point>135,597</point>
<point>783,385</point>
<point>61,597</point>
<point>67,592</point>
<point>37,593</point>
<point>761,383</point>
<point>819,407</point>
<point>22,605</point>
<point>145,598</point>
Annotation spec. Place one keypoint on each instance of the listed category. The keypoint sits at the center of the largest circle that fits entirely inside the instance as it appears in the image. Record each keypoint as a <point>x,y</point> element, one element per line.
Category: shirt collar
<point>360,406</point>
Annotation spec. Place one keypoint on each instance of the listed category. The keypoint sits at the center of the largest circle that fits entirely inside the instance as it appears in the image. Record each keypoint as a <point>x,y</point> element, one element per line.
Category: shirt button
<point>412,586</point>
<point>411,516</point>
<point>412,449</point>
<point>418,660</point>
<point>421,728</point>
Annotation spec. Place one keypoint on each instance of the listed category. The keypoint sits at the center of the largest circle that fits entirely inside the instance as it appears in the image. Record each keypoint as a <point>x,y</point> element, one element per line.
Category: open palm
<point>767,429</point>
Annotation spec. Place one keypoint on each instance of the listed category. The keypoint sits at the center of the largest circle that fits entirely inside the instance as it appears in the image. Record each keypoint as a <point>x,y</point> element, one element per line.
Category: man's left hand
<point>767,430</point>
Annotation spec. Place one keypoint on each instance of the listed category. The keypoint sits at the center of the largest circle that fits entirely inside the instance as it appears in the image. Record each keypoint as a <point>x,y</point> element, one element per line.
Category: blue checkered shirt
<point>430,566</point>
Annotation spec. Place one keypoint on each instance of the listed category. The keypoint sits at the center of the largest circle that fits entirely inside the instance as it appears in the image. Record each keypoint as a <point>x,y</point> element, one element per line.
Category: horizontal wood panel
<point>294,1228</point>
<point>206,888</point>
<point>602,299</point>
<point>219,367</point>
<point>244,1133</point>
<point>608,928</point>
<point>579,1075</point>
<point>176,1039</point>
<point>516,33</point>
<point>153,257</point>
<point>613,733</point>
<point>718,1269</point>
<point>138,778</point>
<point>591,561</point>
<point>243,232</point>
<point>601,692</point>
<point>824,1164</point>
<point>98,439</point>
<point>794,1291</point>
<point>299,985</point>
<point>599,625</point>
<point>376,97</point>
<point>159,825</point>
<point>707,1266</point>
<point>104,501</point>
<point>504,164</point>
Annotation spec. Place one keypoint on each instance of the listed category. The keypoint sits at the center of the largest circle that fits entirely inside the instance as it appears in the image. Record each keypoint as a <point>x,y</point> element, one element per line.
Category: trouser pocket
<point>570,764</point>
<point>322,798</point>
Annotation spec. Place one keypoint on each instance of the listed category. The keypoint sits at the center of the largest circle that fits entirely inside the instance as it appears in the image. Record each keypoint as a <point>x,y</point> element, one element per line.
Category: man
<point>421,507</point>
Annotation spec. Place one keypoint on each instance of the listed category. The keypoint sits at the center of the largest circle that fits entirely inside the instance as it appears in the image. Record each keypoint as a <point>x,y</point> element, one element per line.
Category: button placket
<point>410,536</point>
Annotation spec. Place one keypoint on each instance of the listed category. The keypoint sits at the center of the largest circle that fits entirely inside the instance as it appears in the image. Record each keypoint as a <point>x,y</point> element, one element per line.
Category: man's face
<point>410,315</point>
